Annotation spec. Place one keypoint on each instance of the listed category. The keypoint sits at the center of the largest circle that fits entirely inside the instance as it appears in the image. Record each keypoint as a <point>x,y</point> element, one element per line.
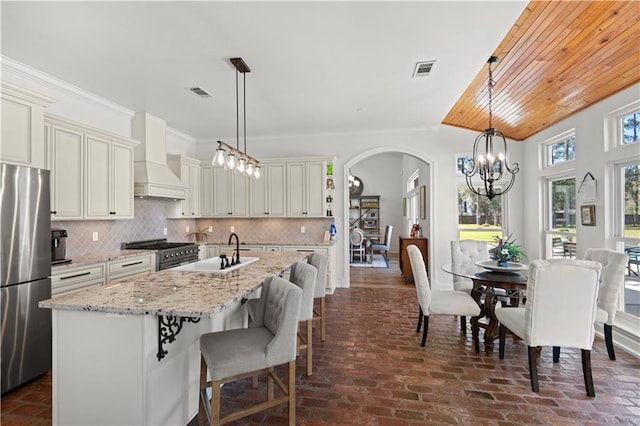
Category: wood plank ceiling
<point>559,58</point>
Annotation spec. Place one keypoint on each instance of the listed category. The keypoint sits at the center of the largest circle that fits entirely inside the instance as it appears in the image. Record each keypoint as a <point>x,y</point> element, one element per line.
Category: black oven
<point>168,255</point>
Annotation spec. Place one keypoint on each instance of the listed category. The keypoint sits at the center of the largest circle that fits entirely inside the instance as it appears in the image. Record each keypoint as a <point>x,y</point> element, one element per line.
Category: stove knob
<point>182,253</point>
<point>166,256</point>
<point>172,254</point>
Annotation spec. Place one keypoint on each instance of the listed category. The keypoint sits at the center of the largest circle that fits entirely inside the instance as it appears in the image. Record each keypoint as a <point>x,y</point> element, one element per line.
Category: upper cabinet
<point>230,194</point>
<point>91,171</point>
<point>65,160</point>
<point>306,182</point>
<point>188,170</point>
<point>22,139</point>
<point>109,177</point>
<point>268,197</point>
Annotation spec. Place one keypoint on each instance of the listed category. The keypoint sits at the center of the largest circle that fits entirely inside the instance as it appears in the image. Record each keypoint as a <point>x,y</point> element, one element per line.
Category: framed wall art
<point>588,215</point>
<point>423,202</point>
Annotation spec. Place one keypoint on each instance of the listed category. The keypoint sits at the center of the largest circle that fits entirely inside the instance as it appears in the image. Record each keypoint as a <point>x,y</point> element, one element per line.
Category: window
<point>631,128</point>
<point>413,212</point>
<point>561,217</point>
<point>478,217</point>
<point>627,201</point>
<point>463,163</point>
<point>564,150</point>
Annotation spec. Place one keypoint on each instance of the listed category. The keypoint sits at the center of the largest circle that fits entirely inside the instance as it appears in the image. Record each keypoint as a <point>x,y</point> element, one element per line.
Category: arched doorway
<point>420,157</point>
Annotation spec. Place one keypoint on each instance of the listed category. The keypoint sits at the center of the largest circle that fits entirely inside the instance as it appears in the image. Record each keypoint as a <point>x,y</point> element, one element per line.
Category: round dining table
<point>489,287</point>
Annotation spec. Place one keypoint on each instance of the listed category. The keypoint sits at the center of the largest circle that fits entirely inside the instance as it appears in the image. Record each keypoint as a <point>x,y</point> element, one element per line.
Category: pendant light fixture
<point>490,161</point>
<point>231,158</point>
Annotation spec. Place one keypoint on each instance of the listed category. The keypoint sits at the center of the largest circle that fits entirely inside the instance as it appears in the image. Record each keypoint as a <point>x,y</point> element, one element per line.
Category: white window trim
<point>545,149</point>
<point>613,125</point>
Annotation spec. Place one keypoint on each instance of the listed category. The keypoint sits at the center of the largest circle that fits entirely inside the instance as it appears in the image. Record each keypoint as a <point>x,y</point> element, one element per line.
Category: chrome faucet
<point>235,258</point>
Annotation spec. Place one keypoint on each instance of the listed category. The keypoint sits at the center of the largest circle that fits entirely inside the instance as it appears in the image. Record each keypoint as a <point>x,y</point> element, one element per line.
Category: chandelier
<point>227,156</point>
<point>490,156</point>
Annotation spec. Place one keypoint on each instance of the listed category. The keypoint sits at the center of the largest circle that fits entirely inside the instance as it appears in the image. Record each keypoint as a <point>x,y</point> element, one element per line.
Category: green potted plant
<point>506,250</point>
<point>200,234</point>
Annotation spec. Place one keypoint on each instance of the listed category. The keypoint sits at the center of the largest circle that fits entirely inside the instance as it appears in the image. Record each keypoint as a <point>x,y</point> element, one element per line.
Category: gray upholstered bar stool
<point>304,276</point>
<point>321,262</point>
<point>269,341</point>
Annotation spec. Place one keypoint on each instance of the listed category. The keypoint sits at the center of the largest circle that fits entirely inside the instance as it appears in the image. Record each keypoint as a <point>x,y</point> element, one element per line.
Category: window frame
<point>613,126</point>
<point>546,149</point>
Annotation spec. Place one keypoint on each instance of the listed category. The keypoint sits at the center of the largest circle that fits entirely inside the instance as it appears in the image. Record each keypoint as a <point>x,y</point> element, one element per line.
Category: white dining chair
<point>356,238</point>
<point>559,311</point>
<point>437,302</point>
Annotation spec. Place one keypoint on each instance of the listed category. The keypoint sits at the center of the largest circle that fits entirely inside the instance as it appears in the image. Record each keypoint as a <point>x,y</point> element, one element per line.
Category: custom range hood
<point>151,175</point>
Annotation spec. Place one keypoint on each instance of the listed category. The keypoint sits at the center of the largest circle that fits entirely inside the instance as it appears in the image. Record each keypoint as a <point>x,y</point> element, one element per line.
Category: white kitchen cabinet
<point>66,149</point>
<point>22,139</point>
<point>91,171</point>
<point>206,189</point>
<point>66,279</point>
<point>268,197</point>
<point>109,179</point>
<point>230,194</point>
<point>305,181</point>
<point>188,170</point>
<point>130,266</point>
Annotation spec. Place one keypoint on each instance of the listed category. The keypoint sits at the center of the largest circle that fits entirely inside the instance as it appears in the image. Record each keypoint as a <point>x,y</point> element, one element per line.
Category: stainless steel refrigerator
<point>25,270</point>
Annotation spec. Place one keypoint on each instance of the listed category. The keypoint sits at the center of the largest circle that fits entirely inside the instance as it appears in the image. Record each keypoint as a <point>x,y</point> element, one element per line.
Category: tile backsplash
<point>150,221</point>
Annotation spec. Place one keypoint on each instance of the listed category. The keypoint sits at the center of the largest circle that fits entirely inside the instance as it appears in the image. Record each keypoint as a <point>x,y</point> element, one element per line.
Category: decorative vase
<point>503,263</point>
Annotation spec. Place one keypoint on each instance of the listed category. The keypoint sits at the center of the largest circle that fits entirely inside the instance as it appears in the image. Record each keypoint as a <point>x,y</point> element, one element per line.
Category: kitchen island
<point>128,353</point>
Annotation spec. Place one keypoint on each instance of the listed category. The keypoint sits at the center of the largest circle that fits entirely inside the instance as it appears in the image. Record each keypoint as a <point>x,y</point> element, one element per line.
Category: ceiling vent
<point>423,69</point>
<point>199,91</point>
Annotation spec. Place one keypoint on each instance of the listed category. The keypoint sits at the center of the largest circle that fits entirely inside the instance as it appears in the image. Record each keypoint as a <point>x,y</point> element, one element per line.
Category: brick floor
<point>372,371</point>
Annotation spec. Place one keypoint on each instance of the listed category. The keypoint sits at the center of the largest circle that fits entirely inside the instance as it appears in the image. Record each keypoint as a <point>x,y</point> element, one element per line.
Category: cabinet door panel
<point>296,189</point>
<point>258,190</point>
<point>66,169</point>
<point>122,179</point>
<point>194,190</point>
<point>221,192</point>
<point>206,191</point>
<point>98,176</point>
<point>277,190</point>
<point>240,195</point>
<point>314,189</point>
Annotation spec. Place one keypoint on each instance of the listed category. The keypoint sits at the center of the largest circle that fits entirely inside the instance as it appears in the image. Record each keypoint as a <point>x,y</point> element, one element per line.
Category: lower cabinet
<point>130,266</point>
<point>405,264</point>
<point>74,278</point>
<point>66,279</point>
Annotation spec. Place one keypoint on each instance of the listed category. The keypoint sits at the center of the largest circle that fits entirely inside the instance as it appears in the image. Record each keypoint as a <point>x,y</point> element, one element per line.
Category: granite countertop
<point>184,294</point>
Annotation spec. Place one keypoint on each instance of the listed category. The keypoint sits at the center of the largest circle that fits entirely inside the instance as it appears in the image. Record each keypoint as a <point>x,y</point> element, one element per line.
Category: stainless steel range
<point>168,255</point>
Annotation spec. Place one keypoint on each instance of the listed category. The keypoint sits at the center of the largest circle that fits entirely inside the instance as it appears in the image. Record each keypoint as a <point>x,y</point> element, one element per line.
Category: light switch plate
<point>95,236</point>
<point>210,228</point>
<point>233,229</point>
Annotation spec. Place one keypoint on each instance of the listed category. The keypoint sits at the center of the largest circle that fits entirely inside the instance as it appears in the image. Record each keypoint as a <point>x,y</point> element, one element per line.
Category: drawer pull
<point>132,264</point>
<point>75,276</point>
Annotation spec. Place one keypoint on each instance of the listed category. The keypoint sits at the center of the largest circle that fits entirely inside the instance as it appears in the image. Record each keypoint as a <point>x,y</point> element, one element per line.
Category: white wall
<point>592,156</point>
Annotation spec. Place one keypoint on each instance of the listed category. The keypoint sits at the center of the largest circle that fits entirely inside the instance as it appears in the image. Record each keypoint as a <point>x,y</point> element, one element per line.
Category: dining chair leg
<point>586,372</point>
<point>502,335</point>
<point>419,320</point>
<point>463,325</point>
<point>556,354</point>
<point>608,340</point>
<point>426,330</point>
<point>533,368</point>
<point>292,393</point>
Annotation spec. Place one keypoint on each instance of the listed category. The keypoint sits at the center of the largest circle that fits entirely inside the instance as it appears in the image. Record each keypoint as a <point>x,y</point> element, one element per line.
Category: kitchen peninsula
<point>109,365</point>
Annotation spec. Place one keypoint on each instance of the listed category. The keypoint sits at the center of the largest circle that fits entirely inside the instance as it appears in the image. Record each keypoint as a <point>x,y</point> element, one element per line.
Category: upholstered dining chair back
<point>384,248</point>
<point>612,281</point>
<point>464,255</point>
<point>420,278</point>
<point>561,303</point>
<point>320,262</point>
<point>612,275</point>
<point>304,276</point>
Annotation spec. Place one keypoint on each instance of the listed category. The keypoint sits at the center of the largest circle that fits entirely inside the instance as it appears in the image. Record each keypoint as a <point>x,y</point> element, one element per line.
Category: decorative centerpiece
<point>199,233</point>
<point>505,251</point>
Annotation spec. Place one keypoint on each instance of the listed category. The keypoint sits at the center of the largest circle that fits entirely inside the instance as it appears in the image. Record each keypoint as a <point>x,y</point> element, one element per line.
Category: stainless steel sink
<point>213,265</point>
